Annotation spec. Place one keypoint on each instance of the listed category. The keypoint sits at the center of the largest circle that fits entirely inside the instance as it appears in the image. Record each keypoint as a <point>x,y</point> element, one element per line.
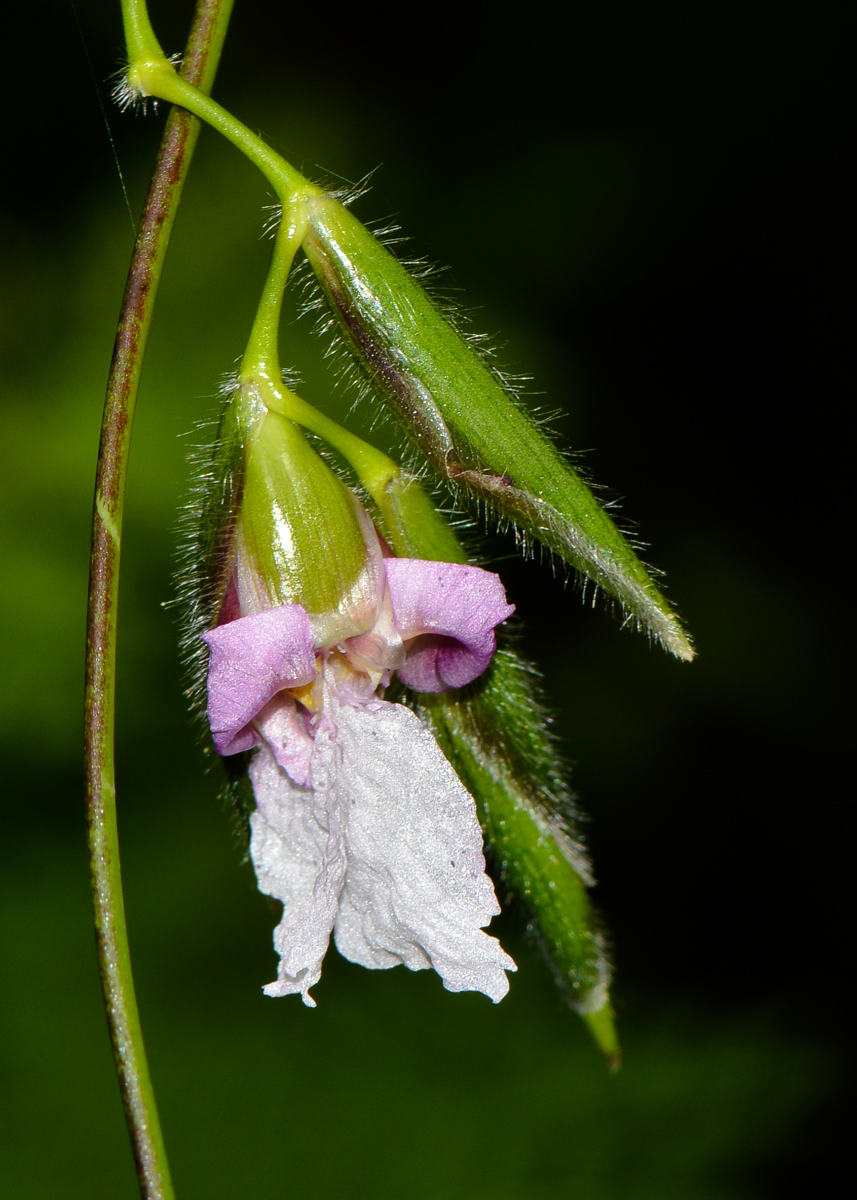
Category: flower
<point>362,827</point>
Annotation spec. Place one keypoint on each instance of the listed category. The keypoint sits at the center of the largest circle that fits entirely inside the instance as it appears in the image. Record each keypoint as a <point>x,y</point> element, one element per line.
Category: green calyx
<point>298,524</point>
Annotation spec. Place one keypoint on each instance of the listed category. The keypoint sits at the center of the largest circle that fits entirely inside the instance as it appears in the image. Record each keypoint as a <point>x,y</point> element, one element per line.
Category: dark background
<point>648,201</point>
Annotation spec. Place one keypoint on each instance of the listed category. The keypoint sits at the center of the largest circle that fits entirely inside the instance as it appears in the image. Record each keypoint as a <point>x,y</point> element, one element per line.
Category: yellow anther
<point>304,695</point>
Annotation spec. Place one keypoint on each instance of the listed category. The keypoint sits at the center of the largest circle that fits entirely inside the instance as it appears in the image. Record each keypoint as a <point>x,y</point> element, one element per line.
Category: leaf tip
<point>679,644</point>
<point>602,1026</point>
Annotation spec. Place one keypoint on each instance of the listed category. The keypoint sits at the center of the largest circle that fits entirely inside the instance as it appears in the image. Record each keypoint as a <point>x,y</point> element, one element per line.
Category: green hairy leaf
<point>467,422</point>
<point>495,735</point>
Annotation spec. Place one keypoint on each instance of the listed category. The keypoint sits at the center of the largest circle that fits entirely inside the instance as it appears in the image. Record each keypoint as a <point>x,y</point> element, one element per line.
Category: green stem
<point>401,502</point>
<point>261,364</point>
<point>204,46</point>
<point>150,73</point>
<point>140,38</point>
<point>262,353</point>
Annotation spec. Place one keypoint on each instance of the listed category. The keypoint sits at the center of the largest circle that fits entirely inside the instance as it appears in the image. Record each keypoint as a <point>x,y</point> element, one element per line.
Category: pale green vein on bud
<point>465,421</point>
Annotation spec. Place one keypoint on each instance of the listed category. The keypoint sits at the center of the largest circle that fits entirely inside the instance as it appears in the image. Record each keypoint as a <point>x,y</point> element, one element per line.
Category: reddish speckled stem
<point>200,63</point>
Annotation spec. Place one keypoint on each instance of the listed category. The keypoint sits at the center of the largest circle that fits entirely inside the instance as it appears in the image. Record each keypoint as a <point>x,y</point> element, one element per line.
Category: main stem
<point>202,55</point>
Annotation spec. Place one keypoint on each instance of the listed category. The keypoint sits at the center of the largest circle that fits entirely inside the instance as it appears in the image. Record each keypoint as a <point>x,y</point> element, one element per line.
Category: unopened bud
<point>288,531</point>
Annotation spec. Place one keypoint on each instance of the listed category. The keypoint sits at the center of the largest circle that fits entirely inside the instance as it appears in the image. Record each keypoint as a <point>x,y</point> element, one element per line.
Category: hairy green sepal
<point>466,422</point>
<point>495,736</point>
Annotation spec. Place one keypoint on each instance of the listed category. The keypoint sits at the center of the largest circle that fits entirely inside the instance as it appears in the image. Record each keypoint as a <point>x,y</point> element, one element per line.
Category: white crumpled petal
<point>385,849</point>
<point>415,889</point>
<point>298,851</point>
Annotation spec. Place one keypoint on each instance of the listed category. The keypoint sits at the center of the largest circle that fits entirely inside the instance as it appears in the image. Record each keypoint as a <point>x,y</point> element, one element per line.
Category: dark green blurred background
<point>648,201</point>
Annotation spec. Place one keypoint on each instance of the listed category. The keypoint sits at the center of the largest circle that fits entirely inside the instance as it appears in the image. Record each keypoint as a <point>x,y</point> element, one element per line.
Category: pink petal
<point>252,659</point>
<point>451,611</point>
<point>284,728</point>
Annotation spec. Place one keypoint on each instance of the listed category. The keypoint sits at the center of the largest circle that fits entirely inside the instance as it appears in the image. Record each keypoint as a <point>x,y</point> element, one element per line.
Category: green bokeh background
<point>648,201</point>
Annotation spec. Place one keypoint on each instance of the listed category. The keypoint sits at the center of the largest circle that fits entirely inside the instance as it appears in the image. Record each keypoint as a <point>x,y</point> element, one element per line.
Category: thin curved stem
<point>140,40</point>
<point>150,73</point>
<point>262,354</point>
<point>401,502</point>
<point>204,46</point>
<point>158,78</point>
<point>261,363</point>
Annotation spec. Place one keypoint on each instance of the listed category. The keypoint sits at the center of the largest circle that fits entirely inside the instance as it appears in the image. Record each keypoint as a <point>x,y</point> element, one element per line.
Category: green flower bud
<point>465,420</point>
<point>274,525</point>
<point>298,536</point>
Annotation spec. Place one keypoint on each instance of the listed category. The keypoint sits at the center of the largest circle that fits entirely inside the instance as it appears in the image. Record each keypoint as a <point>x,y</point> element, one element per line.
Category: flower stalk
<point>202,55</point>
